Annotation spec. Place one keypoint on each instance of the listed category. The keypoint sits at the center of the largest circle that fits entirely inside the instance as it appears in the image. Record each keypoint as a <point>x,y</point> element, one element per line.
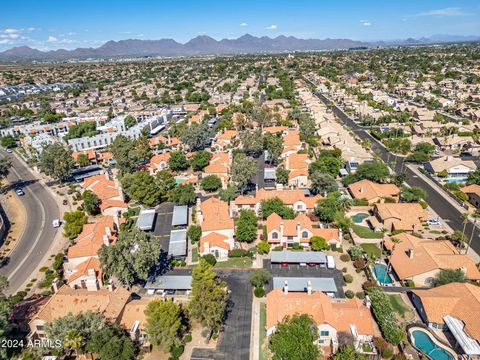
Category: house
<point>218,231</point>
<point>108,302</point>
<point>297,164</point>
<point>109,192</point>
<point>163,141</point>
<point>134,320</point>
<point>295,199</point>
<point>398,216</point>
<point>224,140</point>
<point>159,162</point>
<point>450,168</point>
<point>298,231</point>
<point>420,260</point>
<point>454,142</point>
<point>373,192</point>
<point>219,166</point>
<point>455,307</point>
<point>332,316</point>
<point>473,192</point>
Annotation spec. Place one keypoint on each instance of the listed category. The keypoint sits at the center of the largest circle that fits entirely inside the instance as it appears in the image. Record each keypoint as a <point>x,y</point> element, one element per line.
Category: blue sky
<point>53,24</point>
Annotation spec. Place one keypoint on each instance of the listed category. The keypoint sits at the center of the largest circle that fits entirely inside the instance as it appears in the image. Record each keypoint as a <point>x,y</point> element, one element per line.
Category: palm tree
<point>74,340</point>
<point>475,217</point>
<point>344,203</point>
<point>395,242</point>
<point>464,218</point>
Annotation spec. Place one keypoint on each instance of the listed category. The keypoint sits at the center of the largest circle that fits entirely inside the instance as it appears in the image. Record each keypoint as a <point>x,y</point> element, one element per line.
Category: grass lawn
<point>398,305</point>
<point>195,254</point>
<point>235,262</point>
<point>365,232</point>
<point>372,250</point>
<point>263,332</point>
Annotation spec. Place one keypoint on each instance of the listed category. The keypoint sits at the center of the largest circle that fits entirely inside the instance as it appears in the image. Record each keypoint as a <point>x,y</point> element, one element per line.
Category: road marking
<point>37,239</point>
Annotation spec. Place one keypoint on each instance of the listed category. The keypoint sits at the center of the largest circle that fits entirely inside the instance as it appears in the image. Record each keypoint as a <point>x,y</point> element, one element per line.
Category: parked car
<point>56,223</point>
<point>9,150</point>
<point>284,264</point>
<point>433,222</point>
<point>19,192</point>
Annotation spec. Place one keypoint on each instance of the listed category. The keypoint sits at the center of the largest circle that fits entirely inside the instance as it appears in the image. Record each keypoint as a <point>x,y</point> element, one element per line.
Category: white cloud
<point>243,24</point>
<point>52,39</point>
<point>125,32</point>
<point>272,27</point>
<point>6,41</point>
<point>450,11</point>
<point>71,33</point>
<point>9,36</point>
<point>12,31</point>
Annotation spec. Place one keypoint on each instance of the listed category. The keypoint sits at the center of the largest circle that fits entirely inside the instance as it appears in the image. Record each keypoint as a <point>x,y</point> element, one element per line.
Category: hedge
<point>383,312</point>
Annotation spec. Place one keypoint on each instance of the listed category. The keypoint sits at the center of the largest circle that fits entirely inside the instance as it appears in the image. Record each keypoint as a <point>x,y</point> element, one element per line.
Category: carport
<point>177,247</point>
<point>302,258</point>
<point>146,219</point>
<point>165,283</point>
<point>180,216</point>
<point>300,284</point>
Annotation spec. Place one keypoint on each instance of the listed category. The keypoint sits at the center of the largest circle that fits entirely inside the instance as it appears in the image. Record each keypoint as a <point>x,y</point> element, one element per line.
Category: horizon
<point>47,26</point>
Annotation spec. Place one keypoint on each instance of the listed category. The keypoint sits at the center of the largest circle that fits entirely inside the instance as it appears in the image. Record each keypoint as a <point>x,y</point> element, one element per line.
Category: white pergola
<point>470,346</point>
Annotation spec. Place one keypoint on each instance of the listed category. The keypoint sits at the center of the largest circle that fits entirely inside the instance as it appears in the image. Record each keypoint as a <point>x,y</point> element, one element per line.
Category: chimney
<point>410,253</point>
<point>309,287</point>
<point>340,235</point>
<point>106,240</point>
<point>108,231</point>
<point>285,287</point>
<point>281,230</point>
<point>361,190</point>
<point>110,286</point>
<point>55,284</point>
<point>298,230</point>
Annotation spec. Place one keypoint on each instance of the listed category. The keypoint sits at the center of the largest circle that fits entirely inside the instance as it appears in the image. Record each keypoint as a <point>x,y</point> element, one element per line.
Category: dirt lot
<point>17,216</point>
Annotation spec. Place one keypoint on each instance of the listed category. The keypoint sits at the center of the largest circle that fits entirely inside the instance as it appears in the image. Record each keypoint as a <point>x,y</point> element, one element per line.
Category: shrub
<point>194,233</point>
<point>355,252</point>
<point>278,248</point>
<point>410,283</point>
<point>263,247</point>
<point>348,278</point>
<point>259,292</point>
<point>187,338</point>
<point>344,270</point>
<point>349,294</point>
<point>360,295</point>
<point>387,353</point>
<point>359,263</point>
<point>209,258</point>
<point>360,202</point>
<point>385,315</point>
<point>297,246</point>
<point>368,284</point>
<point>176,351</point>
<point>345,257</point>
<point>380,343</point>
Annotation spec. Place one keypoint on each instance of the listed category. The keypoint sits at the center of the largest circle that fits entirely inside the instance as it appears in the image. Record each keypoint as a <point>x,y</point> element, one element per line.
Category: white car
<point>56,223</point>
<point>9,150</point>
<point>433,222</point>
<point>19,192</point>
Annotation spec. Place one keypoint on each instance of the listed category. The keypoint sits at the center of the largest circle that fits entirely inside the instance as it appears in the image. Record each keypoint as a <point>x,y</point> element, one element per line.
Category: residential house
<point>159,162</point>
<point>109,192</point>
<point>420,260</point>
<point>473,192</point>
<point>224,140</point>
<point>297,164</point>
<point>450,168</point>
<point>134,321</point>
<point>454,142</point>
<point>398,216</point>
<point>217,225</point>
<point>332,316</point>
<point>373,192</point>
<point>220,164</point>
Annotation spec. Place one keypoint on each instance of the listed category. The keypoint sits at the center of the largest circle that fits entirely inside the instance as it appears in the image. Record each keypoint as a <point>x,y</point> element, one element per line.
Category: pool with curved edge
<point>425,342</point>
<point>358,218</point>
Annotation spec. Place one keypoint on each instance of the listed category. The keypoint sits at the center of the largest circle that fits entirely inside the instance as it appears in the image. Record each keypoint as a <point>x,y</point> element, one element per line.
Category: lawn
<point>372,250</point>
<point>263,332</point>
<point>398,305</point>
<point>365,232</point>
<point>194,254</point>
<point>235,262</point>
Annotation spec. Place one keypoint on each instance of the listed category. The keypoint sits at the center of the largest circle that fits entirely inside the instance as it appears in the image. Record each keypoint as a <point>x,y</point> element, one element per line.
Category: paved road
<point>39,234</point>
<point>437,202</point>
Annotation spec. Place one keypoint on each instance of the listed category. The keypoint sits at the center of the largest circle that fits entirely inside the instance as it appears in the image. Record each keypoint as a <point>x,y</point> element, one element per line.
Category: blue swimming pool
<point>180,180</point>
<point>380,271</point>
<point>424,342</point>
<point>358,218</point>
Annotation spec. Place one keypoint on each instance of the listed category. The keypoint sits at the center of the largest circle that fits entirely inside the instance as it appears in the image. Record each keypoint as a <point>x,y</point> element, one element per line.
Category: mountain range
<point>205,45</point>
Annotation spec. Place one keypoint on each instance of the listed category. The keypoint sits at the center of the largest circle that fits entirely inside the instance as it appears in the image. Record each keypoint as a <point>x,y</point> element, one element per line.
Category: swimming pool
<point>358,218</point>
<point>423,342</point>
<point>179,180</point>
<point>380,271</point>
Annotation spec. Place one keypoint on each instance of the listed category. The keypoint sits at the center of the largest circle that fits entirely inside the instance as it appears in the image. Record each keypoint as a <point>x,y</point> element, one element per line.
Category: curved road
<point>38,235</point>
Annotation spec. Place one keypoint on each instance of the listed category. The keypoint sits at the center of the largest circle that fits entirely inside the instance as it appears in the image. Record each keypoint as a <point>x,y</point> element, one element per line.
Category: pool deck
<point>432,337</point>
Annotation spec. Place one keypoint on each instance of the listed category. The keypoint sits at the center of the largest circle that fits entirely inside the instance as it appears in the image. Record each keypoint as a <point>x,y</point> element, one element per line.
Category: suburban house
<point>107,302</point>
<point>224,140</point>
<point>455,307</point>
<point>451,169</point>
<point>473,193</point>
<point>298,231</point>
<point>454,142</point>
<point>109,192</point>
<point>167,142</point>
<point>297,164</point>
<point>295,199</point>
<point>373,192</point>
<point>159,162</point>
<point>332,316</point>
<point>219,166</point>
<point>398,216</point>
<point>420,260</point>
<point>82,269</point>
<point>291,143</point>
<point>133,320</point>
<point>214,218</point>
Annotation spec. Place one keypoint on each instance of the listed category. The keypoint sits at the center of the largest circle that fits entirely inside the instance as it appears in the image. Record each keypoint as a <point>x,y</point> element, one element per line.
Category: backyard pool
<point>179,180</point>
<point>380,271</point>
<point>424,343</point>
<point>358,218</point>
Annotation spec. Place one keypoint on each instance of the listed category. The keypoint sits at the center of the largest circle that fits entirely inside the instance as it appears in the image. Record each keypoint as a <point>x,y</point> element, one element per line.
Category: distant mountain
<point>205,45</point>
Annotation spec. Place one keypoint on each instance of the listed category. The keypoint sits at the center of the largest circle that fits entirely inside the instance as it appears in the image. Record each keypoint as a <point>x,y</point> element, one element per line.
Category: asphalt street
<point>436,201</point>
<point>39,233</point>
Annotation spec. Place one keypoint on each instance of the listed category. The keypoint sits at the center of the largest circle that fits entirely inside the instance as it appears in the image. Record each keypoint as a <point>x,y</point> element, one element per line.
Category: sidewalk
<point>255,332</point>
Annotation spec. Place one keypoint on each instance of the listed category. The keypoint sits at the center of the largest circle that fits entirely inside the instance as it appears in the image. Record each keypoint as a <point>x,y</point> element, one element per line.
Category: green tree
<point>282,175</point>
<point>274,145</point>
<point>376,171</point>
<point>412,194</point>
<point>246,226</point>
<point>84,129</point>
<point>399,145</point>
<point>327,208</point>
<point>142,187</point>
<point>183,195</point>
<point>5,165</point>
<point>328,162</point>
<point>194,233</point>
<point>125,154</point>
<point>277,206</point>
<point>111,343</point>
<point>425,147</point>
<point>164,324</point>
<point>447,276</point>
<point>322,183</point>
<point>165,182</point>
<point>228,194</point>
<point>5,308</point>
<point>208,298</point>
<point>259,277</point>
<point>252,142</point>
<point>56,161</point>
<point>263,247</point>
<point>132,257</point>
<point>356,252</point>
<point>473,178</point>
<point>348,353</point>
<point>211,183</point>
<point>178,161</point>
<point>200,159</point>
<point>8,141</point>
<point>307,127</point>
<point>318,243</point>
<point>129,121</point>
<point>82,160</point>
<point>294,339</point>
<point>91,202</point>
<point>197,136</point>
<point>243,169</point>
<point>74,222</point>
